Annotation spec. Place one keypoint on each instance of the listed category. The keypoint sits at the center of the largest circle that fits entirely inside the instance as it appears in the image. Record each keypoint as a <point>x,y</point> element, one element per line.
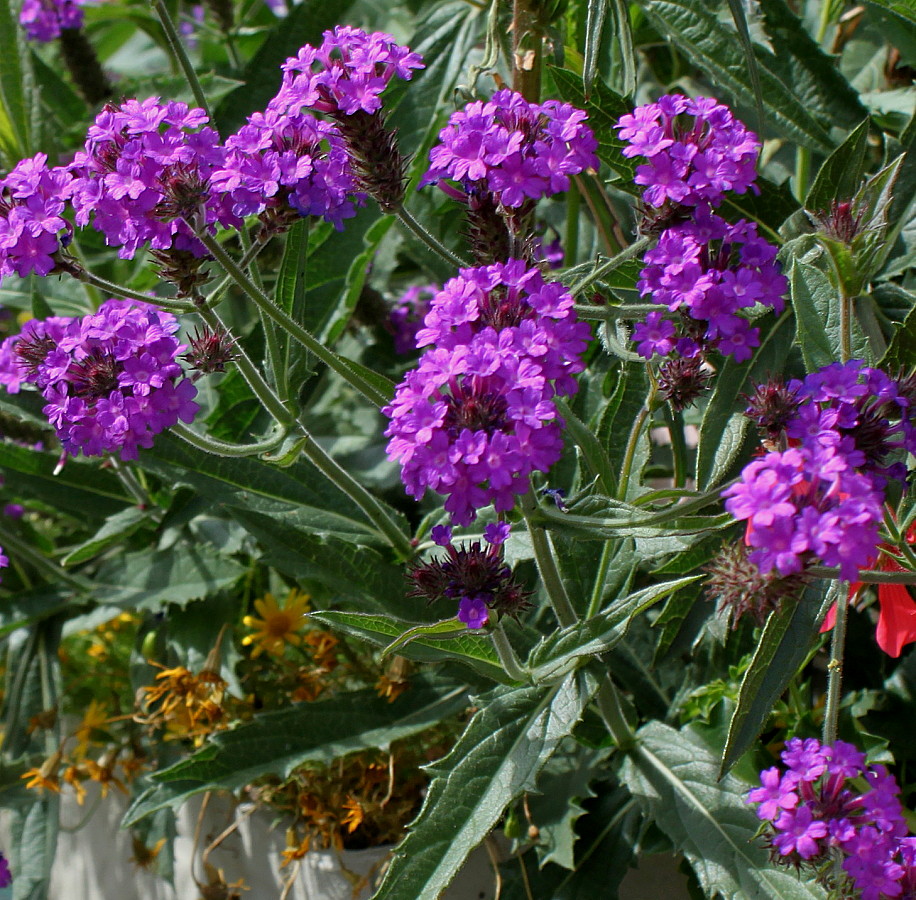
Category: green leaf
<point>596,13</point>
<point>841,174</point>
<point>593,454</point>
<point>783,646</point>
<point>276,742</point>
<point>694,28</point>
<point>566,648</point>
<point>674,776</point>
<point>739,17</point>
<point>724,426</point>
<point>116,528</point>
<point>474,650</point>
<point>34,830</point>
<point>81,487</point>
<point>15,102</point>
<point>152,579</point>
<point>903,9</point>
<point>901,352</point>
<point>500,755</point>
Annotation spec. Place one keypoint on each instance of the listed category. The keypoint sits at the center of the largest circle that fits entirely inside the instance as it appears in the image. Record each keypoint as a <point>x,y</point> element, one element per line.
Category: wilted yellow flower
<point>94,719</point>
<point>278,625</point>
<point>354,814</point>
<point>45,777</point>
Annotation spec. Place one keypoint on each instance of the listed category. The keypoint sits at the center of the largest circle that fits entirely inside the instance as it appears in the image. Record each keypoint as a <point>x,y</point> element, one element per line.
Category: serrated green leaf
<point>555,656</point>
<point>277,741</point>
<point>901,352</point>
<point>593,453</point>
<point>674,776</point>
<point>841,174</point>
<point>500,754</point>
<point>474,650</point>
<point>152,579</point>
<point>784,644</point>
<point>694,28</point>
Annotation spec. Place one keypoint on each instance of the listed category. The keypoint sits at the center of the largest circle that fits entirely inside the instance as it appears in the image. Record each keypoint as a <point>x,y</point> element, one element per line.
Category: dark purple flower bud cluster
<point>476,577</point>
<point>145,171</point>
<point>828,799</point>
<point>43,20</point>
<point>697,150</point>
<point>406,317</point>
<point>32,227</point>
<point>477,416</point>
<point>514,150</point>
<point>287,165</point>
<point>708,271</point>
<point>111,379</point>
<point>347,73</point>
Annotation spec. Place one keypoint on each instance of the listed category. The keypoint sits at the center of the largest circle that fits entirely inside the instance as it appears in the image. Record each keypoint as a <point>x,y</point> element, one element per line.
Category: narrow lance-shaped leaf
<point>500,754</point>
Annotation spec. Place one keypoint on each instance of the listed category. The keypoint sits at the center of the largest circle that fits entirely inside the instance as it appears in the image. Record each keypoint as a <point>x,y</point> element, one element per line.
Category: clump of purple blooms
<point>32,227</point>
<point>145,170</point>
<point>279,164</point>
<point>477,416</point>
<point>696,150</point>
<point>43,20</point>
<point>406,317</point>
<point>514,150</point>
<point>707,270</point>
<point>111,380</point>
<point>477,577</point>
<point>828,799</point>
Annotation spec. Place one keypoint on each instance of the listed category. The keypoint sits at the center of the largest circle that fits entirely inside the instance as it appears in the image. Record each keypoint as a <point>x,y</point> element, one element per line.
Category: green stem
<point>573,201</point>
<point>129,480</point>
<point>216,295</point>
<point>527,48</point>
<point>865,576</point>
<point>626,470</point>
<point>263,302</point>
<point>611,313</point>
<point>835,666</point>
<point>181,57</point>
<point>118,290</point>
<point>249,370</point>
<point>604,564</point>
<point>506,653</point>
<point>609,265</point>
<point>675,422</point>
<point>223,448</point>
<point>611,712</point>
<point>418,231</point>
<point>547,565</point>
<point>802,170</point>
<point>339,476</point>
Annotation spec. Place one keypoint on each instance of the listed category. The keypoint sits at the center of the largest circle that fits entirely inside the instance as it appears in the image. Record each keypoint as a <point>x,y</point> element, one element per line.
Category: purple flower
<point>775,796</point>
<point>111,380</point>
<point>44,20</point>
<point>798,832</point>
<point>473,611</point>
<point>696,151</point>
<point>477,416</point>
<point>441,535</point>
<point>406,317</point>
<point>514,150</point>
<point>6,876</point>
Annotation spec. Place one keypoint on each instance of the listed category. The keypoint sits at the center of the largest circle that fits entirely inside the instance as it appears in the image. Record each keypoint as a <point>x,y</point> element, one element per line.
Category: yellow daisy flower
<point>278,625</point>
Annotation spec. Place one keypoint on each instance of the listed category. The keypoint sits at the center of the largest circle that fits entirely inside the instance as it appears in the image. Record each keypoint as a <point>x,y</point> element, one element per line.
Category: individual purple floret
<point>475,576</point>
<point>804,505</point>
<point>477,416</point>
<point>406,317</point>
<point>697,150</point>
<point>344,78</point>
<point>817,808</point>
<point>44,20</point>
<point>281,167</point>
<point>144,174</point>
<point>32,227</point>
<point>514,150</point>
<point>111,380</point>
<point>708,271</point>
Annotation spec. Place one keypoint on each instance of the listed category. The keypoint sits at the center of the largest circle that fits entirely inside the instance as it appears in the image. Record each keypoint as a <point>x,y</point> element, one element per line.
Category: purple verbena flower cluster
<point>477,416</point>
<point>111,379</point>
<point>815,806</point>
<point>697,150</point>
<point>822,498</point>
<point>708,271</point>
<point>476,577</point>
<point>347,73</point>
<point>406,317</point>
<point>43,20</point>
<point>145,171</point>
<point>286,162</point>
<point>32,228</point>
<point>512,149</point>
